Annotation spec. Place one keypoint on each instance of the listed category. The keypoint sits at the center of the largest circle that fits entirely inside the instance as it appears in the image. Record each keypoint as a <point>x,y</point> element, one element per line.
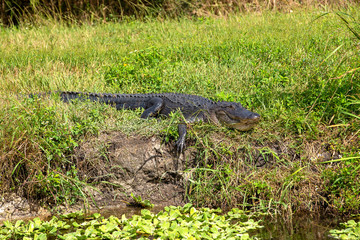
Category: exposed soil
<point>132,164</point>
<point>15,207</point>
<point>123,165</point>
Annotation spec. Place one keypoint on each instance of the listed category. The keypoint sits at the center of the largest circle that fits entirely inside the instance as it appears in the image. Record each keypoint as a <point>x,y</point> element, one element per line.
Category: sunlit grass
<point>297,73</point>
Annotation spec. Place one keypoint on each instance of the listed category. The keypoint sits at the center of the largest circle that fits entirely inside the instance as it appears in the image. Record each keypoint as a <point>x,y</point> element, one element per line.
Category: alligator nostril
<point>255,116</point>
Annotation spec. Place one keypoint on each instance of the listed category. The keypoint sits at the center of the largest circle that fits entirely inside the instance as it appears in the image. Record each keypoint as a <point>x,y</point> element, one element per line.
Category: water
<point>128,211</point>
<point>300,227</point>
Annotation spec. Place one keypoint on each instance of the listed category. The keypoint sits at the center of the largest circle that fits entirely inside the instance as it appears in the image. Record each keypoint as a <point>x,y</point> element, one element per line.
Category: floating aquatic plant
<point>350,232</point>
<point>172,223</point>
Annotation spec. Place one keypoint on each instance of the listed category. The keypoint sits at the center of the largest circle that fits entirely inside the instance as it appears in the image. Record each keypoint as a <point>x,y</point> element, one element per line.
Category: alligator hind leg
<point>154,107</point>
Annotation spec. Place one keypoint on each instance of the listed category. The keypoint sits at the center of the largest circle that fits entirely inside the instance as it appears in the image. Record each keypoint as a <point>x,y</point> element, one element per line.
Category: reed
<point>13,12</point>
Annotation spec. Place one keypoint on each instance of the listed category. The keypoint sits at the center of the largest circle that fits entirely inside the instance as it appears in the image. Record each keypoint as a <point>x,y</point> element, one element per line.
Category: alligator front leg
<point>180,143</point>
<point>154,107</point>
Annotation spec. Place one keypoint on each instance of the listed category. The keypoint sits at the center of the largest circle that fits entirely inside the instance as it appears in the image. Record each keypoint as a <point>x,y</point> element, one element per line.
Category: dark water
<point>128,211</point>
<point>300,227</point>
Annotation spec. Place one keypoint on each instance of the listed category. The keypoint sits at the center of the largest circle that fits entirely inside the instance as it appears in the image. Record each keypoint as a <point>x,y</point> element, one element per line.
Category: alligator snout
<point>254,117</point>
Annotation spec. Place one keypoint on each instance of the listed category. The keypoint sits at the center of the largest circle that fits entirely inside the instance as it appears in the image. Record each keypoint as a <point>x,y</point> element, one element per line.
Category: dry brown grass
<point>14,12</point>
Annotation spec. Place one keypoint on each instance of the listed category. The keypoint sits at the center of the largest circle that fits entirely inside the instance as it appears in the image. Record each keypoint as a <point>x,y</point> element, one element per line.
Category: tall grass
<point>18,11</point>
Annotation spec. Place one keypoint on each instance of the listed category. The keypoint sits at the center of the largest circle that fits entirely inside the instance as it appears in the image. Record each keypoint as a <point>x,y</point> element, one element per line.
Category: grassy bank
<point>300,75</point>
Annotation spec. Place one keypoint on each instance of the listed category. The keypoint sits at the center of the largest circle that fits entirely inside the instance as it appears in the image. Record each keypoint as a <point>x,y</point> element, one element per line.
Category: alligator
<point>194,108</point>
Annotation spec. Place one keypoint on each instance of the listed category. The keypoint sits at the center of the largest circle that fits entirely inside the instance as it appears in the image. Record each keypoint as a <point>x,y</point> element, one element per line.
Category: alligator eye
<point>231,106</point>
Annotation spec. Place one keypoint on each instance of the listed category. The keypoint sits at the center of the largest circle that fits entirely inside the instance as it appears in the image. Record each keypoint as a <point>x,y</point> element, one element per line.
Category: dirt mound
<point>132,164</point>
<point>118,165</point>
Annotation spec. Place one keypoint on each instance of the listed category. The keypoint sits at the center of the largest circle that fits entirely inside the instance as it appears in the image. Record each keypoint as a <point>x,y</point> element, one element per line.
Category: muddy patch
<point>118,166</point>
<point>15,207</point>
<point>125,165</point>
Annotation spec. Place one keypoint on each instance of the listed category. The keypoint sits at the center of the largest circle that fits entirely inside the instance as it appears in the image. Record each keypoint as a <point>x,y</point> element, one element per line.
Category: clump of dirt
<point>125,165</point>
<point>13,206</point>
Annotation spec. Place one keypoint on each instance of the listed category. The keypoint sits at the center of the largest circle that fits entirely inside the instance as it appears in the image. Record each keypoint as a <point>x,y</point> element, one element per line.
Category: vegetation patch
<point>343,185</point>
<point>37,141</point>
<point>299,70</point>
<point>350,231</point>
<point>173,223</point>
<point>16,12</point>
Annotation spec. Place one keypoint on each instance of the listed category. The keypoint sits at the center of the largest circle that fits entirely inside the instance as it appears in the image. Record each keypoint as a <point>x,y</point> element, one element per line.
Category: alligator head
<point>234,115</point>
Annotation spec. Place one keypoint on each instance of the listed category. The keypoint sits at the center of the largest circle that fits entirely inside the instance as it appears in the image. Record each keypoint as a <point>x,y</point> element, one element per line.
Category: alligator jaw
<point>243,126</point>
<point>240,124</point>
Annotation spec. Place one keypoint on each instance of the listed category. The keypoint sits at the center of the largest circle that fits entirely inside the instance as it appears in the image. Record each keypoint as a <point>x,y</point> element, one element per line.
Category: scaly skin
<point>194,108</point>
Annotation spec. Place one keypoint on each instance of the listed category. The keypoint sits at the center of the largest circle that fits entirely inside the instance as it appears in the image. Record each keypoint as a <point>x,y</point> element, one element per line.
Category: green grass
<point>300,74</point>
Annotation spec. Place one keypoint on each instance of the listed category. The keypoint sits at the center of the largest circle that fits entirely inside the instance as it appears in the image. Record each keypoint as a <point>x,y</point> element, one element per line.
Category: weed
<point>351,230</point>
<point>142,68</point>
<point>45,139</point>
<point>171,223</point>
<point>342,185</point>
<point>139,202</point>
